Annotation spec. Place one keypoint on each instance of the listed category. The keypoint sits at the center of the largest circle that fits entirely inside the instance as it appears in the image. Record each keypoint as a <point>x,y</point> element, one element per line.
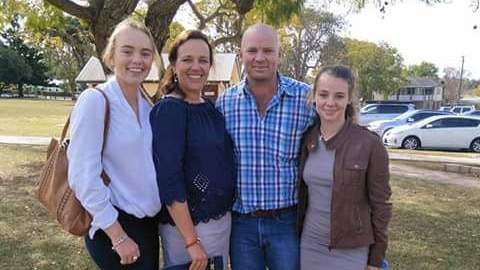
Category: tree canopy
<point>378,67</point>
<point>424,69</point>
<point>28,54</point>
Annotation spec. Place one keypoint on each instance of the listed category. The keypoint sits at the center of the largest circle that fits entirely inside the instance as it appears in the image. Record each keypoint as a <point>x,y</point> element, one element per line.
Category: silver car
<point>372,112</point>
<point>409,117</point>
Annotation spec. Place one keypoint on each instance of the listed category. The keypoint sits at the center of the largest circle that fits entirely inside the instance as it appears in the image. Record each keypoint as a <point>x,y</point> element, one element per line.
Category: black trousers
<point>143,231</point>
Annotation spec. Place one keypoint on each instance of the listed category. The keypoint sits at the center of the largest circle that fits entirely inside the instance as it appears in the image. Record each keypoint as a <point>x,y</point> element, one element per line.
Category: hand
<point>199,257</point>
<point>369,267</point>
<point>128,251</point>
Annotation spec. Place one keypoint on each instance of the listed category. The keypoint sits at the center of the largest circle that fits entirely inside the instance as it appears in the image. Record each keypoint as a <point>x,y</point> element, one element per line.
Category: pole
<point>461,81</point>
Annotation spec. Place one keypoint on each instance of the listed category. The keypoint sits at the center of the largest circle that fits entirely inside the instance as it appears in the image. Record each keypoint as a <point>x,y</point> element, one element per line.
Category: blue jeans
<point>257,243</point>
<point>143,231</point>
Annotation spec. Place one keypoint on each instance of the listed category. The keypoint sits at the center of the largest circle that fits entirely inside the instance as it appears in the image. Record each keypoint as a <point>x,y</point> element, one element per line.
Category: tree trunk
<point>20,90</point>
<point>159,16</point>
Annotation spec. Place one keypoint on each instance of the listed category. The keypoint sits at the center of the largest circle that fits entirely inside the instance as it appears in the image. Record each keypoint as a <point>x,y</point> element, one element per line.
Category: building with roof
<point>422,91</point>
<point>224,73</point>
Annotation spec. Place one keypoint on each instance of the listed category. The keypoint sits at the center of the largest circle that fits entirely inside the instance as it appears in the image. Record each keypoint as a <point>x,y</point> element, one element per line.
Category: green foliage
<point>476,91</point>
<point>424,69</point>
<point>13,68</point>
<point>14,39</point>
<point>275,12</point>
<point>312,39</point>
<point>378,67</point>
<point>175,29</point>
<point>224,20</point>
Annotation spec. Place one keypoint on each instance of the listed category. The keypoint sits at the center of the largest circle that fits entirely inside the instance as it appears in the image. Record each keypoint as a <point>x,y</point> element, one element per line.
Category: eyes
<point>326,94</point>
<point>190,60</point>
<point>253,50</point>
<point>127,51</point>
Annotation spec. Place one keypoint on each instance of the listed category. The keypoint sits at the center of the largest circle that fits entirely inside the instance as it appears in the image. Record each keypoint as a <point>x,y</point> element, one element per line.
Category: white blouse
<point>127,158</point>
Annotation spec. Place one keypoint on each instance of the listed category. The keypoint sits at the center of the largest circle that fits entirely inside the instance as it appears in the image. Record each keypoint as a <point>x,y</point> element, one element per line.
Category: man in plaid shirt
<point>266,115</point>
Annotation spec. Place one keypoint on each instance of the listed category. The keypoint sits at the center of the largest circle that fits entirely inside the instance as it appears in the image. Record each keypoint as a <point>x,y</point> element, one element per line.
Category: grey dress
<point>314,251</point>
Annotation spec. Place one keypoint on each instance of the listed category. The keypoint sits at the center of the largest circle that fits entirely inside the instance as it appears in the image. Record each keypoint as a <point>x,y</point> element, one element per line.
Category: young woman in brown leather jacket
<point>344,190</point>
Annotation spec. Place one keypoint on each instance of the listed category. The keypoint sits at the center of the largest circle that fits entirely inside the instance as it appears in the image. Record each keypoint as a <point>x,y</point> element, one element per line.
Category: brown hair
<point>168,84</point>
<point>107,56</point>
<point>346,74</point>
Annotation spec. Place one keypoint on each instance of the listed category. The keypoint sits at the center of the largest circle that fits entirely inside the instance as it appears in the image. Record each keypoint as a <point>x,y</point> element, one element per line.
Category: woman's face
<point>192,65</point>
<point>331,98</point>
<point>132,57</point>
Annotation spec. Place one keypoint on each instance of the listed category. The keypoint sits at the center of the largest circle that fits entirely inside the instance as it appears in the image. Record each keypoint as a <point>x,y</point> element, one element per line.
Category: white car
<point>407,118</point>
<point>437,132</point>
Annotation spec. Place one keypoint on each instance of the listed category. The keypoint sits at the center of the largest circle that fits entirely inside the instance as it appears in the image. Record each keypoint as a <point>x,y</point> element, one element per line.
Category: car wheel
<point>386,130</point>
<point>411,143</point>
<point>475,145</point>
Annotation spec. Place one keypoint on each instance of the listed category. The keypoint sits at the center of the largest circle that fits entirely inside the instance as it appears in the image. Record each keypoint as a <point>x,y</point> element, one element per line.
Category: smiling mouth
<point>136,70</point>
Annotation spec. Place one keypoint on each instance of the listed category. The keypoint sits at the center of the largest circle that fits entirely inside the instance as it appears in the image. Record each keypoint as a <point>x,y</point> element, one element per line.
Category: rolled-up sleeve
<point>85,161</point>
<point>379,193</point>
<point>169,126</point>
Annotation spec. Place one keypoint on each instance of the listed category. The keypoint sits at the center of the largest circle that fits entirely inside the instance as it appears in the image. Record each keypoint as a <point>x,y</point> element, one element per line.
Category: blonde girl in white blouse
<point>124,211</point>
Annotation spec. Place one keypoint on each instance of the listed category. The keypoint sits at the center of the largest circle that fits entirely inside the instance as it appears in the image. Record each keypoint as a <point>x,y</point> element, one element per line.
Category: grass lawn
<point>434,226</point>
<point>456,153</point>
<point>33,117</point>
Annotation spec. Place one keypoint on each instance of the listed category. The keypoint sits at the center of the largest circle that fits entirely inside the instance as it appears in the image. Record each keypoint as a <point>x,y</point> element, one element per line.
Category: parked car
<point>460,109</point>
<point>374,112</point>
<point>409,117</point>
<point>475,113</point>
<point>445,108</point>
<point>437,132</point>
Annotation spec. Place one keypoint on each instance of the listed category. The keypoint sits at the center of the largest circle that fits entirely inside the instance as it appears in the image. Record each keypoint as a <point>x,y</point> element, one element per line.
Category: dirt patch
<point>434,175</point>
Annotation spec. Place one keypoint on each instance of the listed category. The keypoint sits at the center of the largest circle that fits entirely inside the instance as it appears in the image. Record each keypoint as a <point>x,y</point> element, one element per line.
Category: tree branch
<point>82,12</point>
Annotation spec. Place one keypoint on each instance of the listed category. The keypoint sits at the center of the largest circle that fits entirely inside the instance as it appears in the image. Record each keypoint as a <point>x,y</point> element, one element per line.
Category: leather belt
<point>272,213</point>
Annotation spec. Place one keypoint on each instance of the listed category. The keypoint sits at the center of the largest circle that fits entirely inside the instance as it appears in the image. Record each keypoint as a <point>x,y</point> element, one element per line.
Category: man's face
<point>260,54</point>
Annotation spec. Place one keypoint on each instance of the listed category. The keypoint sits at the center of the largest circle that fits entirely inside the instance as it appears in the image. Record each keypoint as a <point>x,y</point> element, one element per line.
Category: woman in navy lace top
<point>193,156</point>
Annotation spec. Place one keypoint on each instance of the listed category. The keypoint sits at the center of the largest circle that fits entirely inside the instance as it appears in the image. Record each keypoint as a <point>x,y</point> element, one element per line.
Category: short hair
<point>128,23</point>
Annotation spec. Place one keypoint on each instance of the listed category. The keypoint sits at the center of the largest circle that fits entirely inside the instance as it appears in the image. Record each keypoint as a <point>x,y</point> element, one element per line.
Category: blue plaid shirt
<point>266,147</point>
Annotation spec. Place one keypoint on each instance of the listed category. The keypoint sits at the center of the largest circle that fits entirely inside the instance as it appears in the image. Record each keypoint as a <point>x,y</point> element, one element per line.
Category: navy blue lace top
<point>194,160</point>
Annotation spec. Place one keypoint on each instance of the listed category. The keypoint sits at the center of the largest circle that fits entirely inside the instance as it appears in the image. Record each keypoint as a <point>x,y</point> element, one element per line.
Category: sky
<point>440,34</point>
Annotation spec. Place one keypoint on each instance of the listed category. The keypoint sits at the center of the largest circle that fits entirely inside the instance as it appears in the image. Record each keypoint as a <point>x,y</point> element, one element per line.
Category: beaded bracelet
<point>119,241</point>
<point>197,241</point>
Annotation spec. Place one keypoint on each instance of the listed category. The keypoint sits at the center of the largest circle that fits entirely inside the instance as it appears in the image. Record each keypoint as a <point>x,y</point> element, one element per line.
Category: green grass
<point>33,117</point>
<point>435,166</point>
<point>29,238</point>
<point>434,153</point>
<point>434,226</point>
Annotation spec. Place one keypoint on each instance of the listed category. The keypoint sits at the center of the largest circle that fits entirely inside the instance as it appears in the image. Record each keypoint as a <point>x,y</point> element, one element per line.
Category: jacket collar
<point>334,142</point>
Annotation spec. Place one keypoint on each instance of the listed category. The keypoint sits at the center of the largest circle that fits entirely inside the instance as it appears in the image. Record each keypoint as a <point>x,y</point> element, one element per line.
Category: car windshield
<point>405,115</point>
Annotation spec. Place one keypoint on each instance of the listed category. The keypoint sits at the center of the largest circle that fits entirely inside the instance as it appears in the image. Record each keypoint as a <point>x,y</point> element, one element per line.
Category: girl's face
<point>331,98</point>
<point>132,57</point>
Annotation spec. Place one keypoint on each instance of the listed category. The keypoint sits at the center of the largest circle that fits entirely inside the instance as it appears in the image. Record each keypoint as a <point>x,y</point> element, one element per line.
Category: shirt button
<point>355,166</point>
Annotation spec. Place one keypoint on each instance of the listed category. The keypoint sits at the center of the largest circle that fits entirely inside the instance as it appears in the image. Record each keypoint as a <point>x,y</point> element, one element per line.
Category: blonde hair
<point>128,23</point>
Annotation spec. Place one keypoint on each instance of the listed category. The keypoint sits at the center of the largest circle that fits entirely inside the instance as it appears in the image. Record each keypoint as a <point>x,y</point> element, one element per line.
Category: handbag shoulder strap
<point>106,125</point>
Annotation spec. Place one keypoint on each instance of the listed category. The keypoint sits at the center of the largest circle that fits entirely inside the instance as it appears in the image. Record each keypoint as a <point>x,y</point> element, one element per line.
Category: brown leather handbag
<point>54,191</point>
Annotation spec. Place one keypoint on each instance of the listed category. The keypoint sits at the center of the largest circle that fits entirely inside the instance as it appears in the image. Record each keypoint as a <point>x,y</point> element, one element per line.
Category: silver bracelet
<point>119,241</point>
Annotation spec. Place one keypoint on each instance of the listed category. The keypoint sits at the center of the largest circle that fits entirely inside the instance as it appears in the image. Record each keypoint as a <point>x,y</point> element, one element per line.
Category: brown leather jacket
<point>360,207</point>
